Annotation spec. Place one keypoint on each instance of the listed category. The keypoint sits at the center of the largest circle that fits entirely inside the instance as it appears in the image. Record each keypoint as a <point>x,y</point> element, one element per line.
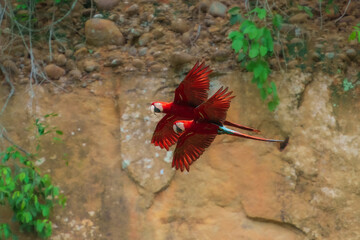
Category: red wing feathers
<point>193,89</point>
<point>189,148</point>
<point>215,108</point>
<point>164,135</point>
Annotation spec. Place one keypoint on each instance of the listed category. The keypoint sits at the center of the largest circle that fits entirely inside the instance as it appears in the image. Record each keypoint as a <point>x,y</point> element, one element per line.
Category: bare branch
<point>343,12</point>
<point>195,38</point>
<point>12,89</point>
<point>4,136</point>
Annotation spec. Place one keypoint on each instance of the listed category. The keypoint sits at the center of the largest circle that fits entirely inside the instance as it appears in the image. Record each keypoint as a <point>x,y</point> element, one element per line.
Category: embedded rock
<point>179,26</point>
<point>217,9</point>
<point>132,10</point>
<point>180,58</point>
<point>54,72</point>
<point>106,4</point>
<point>299,18</point>
<point>100,32</point>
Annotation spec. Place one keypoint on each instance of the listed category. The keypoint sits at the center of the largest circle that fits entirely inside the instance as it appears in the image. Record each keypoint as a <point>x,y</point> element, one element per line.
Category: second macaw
<point>198,134</point>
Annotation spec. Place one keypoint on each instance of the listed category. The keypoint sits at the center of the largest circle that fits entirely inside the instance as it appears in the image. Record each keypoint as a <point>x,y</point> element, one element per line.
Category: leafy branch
<point>254,45</point>
<point>355,33</point>
<point>30,194</point>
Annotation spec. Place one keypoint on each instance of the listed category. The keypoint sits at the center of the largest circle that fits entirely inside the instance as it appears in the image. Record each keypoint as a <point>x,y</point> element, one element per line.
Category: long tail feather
<point>241,127</point>
<point>234,133</point>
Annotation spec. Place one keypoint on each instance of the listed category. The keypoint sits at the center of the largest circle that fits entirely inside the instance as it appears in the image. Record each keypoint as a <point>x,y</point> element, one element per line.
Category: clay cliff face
<point>101,71</point>
<point>121,187</point>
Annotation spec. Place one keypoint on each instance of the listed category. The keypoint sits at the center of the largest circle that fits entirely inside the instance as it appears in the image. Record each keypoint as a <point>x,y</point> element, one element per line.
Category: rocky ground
<point>105,67</point>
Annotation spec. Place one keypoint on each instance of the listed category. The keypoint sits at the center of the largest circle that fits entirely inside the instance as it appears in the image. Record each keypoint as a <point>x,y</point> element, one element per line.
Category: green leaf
<point>39,225</point>
<point>5,158</point>
<point>62,200</point>
<point>250,66</point>
<point>21,176</point>
<point>26,217</point>
<point>6,230</point>
<point>263,93</point>
<point>10,149</point>
<point>352,36</point>
<point>56,139</point>
<point>51,115</point>
<point>234,10</point>
<point>261,13</point>
<point>59,132</point>
<point>48,190</point>
<point>268,40</point>
<point>273,87</point>
<point>236,18</point>
<point>48,229</point>
<point>272,105</point>
<point>263,51</point>
<point>264,75</point>
<point>245,25</point>
<point>45,210</point>
<point>27,187</point>
<point>277,21</point>
<point>241,56</point>
<point>41,129</point>
<point>235,34</point>
<point>23,204</point>
<point>237,44</point>
<point>245,46</point>
<point>258,69</point>
<point>46,180</point>
<point>307,10</point>
<point>254,50</point>
<point>55,191</point>
<point>252,31</point>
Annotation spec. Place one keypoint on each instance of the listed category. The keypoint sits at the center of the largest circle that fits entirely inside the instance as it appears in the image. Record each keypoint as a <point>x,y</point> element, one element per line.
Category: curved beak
<point>152,109</point>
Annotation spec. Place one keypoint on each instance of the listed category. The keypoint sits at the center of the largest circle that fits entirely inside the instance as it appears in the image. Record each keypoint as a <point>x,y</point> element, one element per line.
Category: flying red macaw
<point>190,93</point>
<point>198,134</point>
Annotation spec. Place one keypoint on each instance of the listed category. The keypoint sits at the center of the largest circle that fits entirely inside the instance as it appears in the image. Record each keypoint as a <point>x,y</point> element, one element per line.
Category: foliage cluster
<point>30,194</point>
<point>355,33</point>
<point>254,45</point>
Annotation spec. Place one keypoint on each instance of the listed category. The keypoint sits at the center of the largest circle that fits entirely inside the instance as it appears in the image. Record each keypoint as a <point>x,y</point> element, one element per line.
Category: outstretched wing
<point>189,148</point>
<point>164,135</point>
<point>215,108</point>
<point>193,89</point>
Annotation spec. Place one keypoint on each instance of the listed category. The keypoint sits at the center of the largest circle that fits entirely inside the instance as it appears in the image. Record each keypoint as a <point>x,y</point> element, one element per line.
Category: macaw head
<point>160,107</point>
<point>181,126</point>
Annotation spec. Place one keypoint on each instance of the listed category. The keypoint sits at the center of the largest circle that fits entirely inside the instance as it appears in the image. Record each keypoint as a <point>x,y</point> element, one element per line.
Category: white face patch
<point>179,127</point>
<point>175,128</point>
<point>159,106</point>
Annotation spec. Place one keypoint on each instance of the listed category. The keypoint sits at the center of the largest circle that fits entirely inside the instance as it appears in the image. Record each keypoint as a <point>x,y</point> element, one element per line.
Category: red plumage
<point>190,93</point>
<point>207,124</point>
